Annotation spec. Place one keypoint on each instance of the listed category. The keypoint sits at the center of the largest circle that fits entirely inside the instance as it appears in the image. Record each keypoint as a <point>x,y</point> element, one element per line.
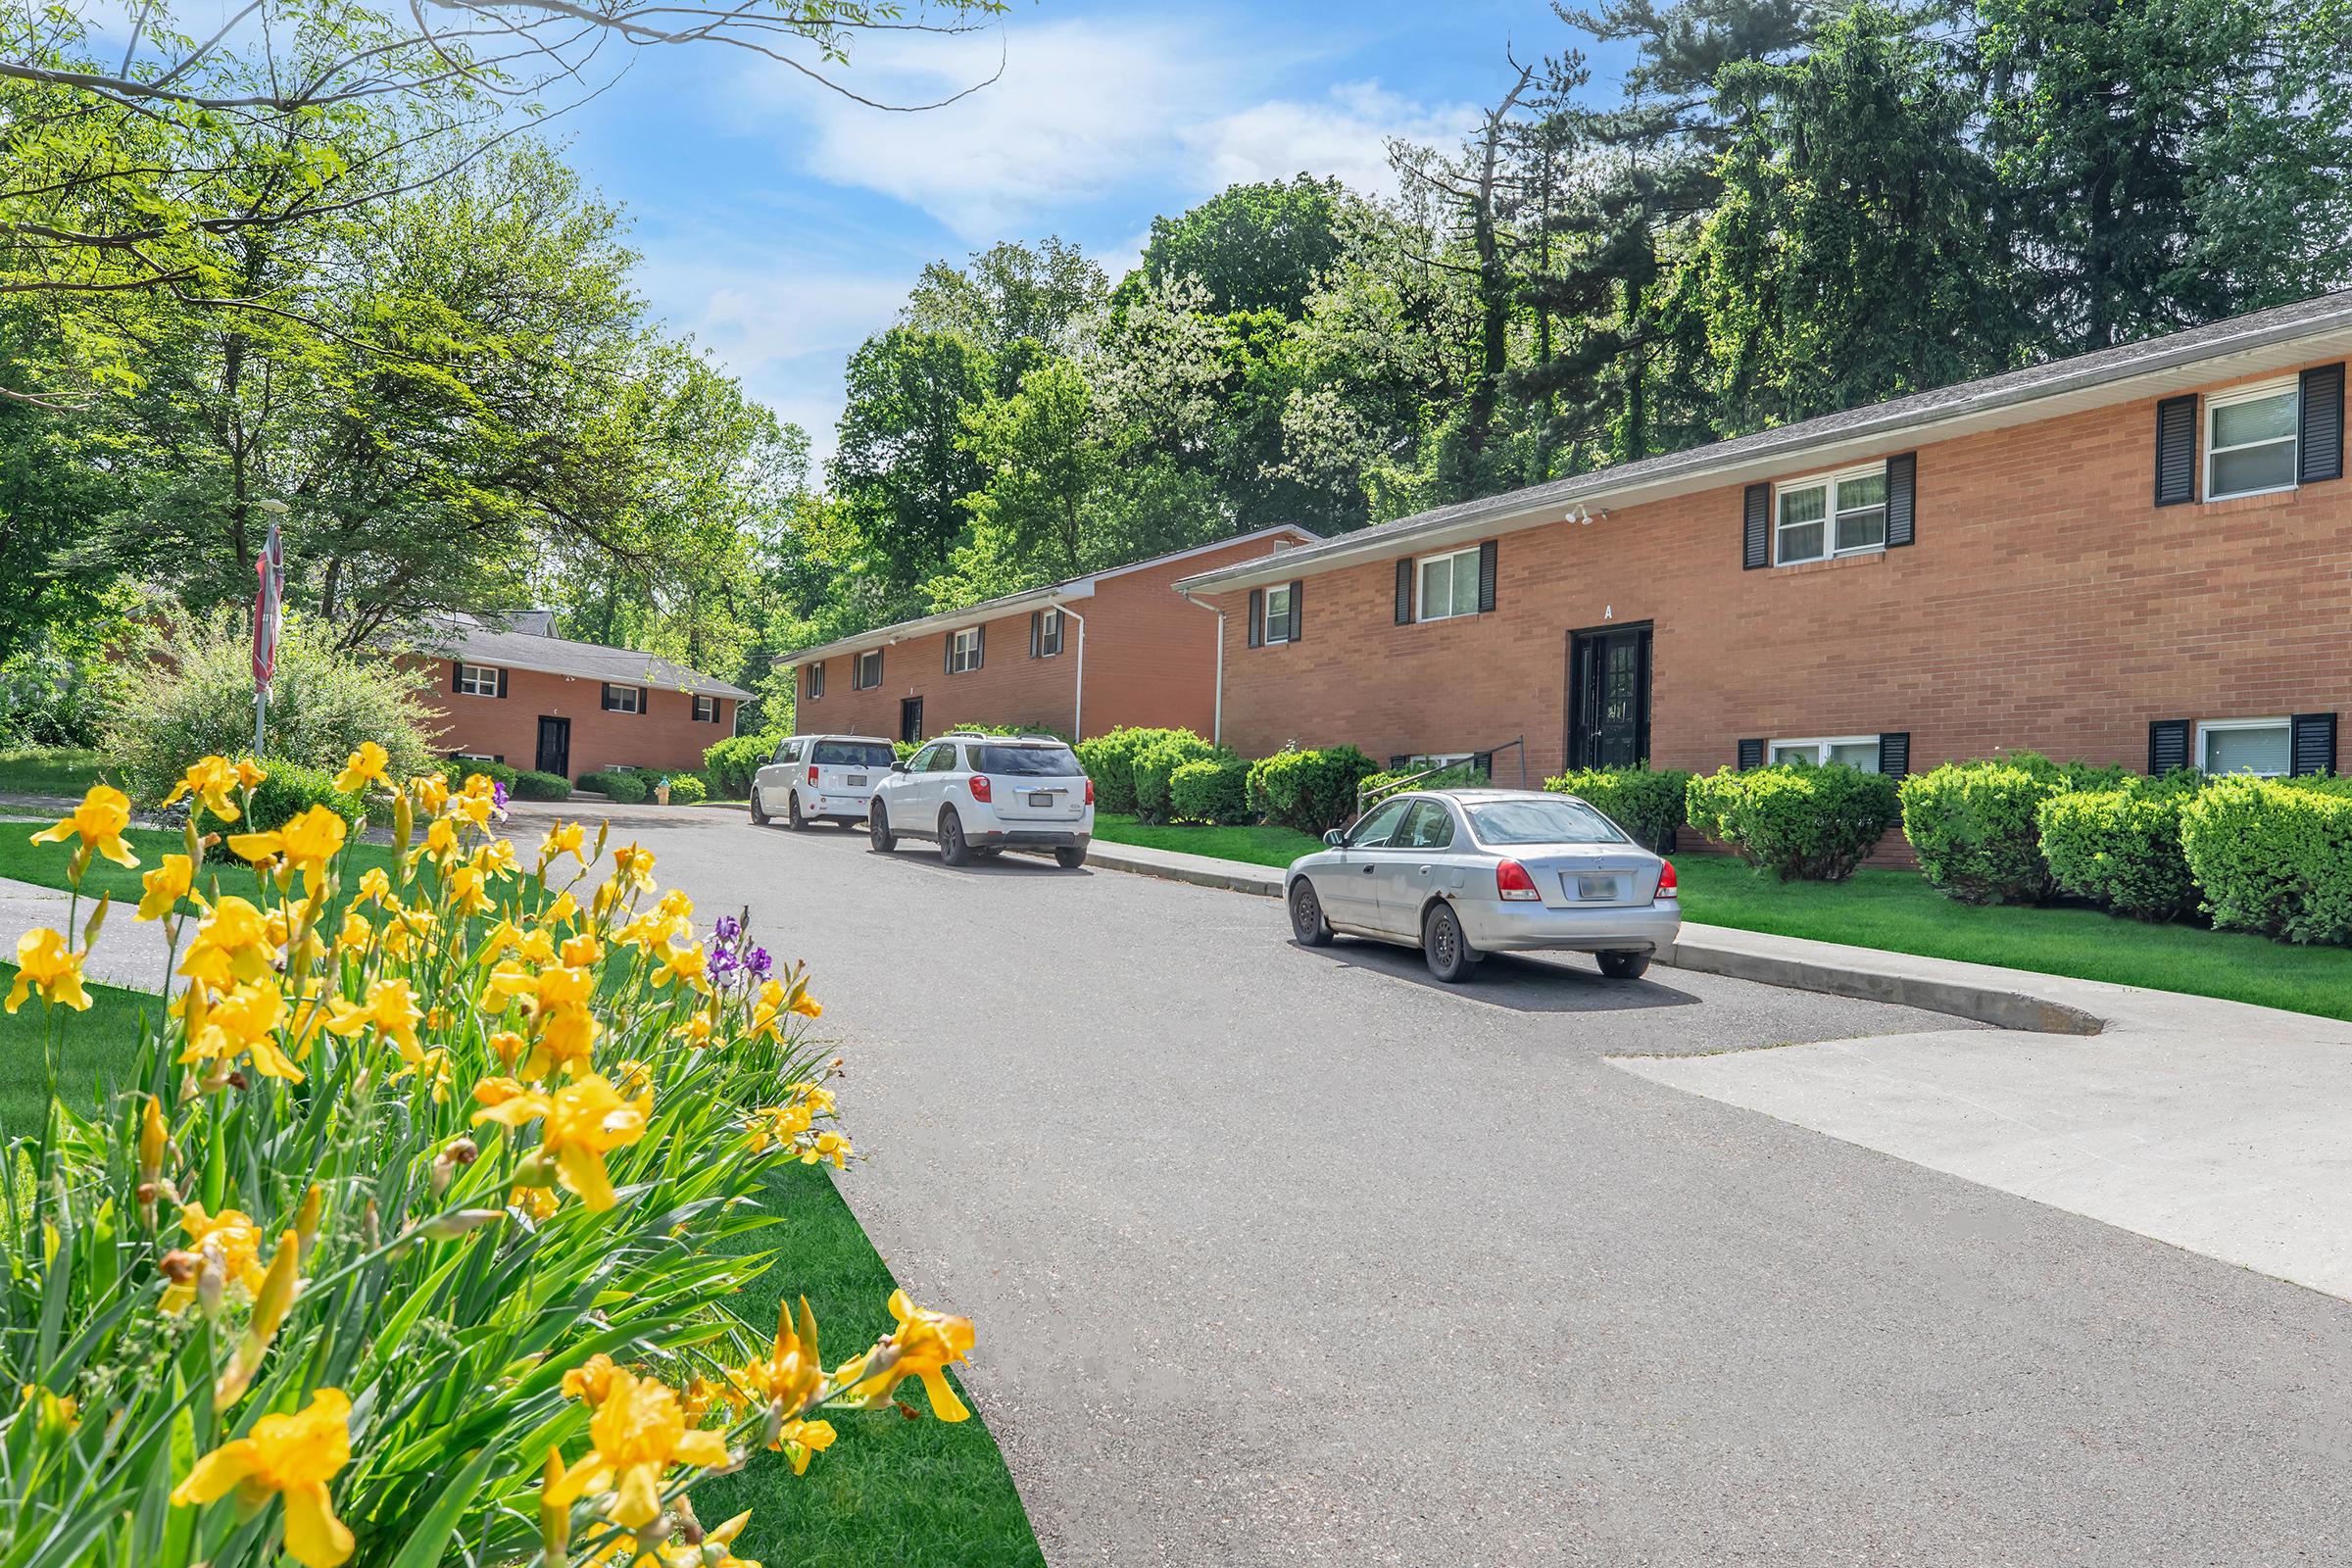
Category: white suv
<point>979,795</point>
<point>820,778</point>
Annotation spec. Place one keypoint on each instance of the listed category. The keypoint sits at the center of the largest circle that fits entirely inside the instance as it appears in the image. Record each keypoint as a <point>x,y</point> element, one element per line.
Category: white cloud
<point>1344,134</point>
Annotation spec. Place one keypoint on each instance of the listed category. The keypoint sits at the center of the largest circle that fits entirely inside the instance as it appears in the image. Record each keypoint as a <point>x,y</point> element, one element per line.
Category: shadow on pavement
<point>1521,982</point>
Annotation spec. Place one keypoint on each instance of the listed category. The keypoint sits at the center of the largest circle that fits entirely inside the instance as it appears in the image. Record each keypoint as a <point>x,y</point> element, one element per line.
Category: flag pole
<point>268,618</point>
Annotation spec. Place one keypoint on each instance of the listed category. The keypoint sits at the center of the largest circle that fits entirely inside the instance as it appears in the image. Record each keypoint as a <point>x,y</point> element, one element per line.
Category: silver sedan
<point>1462,874</point>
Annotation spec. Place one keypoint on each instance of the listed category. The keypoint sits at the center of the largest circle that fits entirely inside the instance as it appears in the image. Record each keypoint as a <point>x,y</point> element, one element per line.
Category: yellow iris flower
<point>390,1008</point>
<point>98,822</point>
<point>366,765</point>
<point>47,967</point>
<point>229,1239</point>
<point>210,779</point>
<point>580,1124</point>
<point>638,1432</point>
<point>289,1456</point>
<point>306,842</point>
<point>240,1022</point>
<point>167,885</point>
<point>564,838</point>
<point>232,944</point>
<point>923,1346</point>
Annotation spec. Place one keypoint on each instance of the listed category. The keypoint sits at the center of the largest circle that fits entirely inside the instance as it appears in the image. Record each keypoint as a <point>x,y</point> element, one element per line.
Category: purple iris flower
<point>758,964</point>
<point>498,794</point>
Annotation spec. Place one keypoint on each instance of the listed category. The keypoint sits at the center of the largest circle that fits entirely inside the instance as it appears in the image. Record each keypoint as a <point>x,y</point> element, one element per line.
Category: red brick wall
<point>1151,658</point>
<point>665,735</point>
<point>2048,603</point>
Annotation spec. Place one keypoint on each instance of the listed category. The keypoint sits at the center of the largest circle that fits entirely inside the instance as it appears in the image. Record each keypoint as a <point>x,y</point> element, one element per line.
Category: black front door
<point>911,718</point>
<point>1608,697</point>
<point>554,745</point>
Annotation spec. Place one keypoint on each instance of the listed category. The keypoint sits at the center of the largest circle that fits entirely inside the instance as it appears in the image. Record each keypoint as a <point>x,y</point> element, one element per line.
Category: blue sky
<point>781,224</point>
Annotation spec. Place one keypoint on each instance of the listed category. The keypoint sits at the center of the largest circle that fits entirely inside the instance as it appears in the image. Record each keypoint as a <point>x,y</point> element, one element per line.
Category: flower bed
<point>419,1234</point>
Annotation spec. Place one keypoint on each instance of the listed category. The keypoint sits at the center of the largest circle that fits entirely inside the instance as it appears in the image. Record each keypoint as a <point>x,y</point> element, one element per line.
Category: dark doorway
<point>1608,697</point>
<point>554,745</point>
<point>911,718</point>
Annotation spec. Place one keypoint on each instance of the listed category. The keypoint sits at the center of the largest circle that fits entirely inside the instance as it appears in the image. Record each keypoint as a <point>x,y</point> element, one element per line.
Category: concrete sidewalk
<point>2215,1126</point>
<point>131,952</point>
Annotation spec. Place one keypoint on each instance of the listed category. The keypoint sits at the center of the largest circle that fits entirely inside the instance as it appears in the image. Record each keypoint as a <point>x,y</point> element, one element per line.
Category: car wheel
<point>1306,916</point>
<point>877,826</point>
<point>792,812</point>
<point>1450,955</point>
<point>953,849</point>
<point>1069,858</point>
<point>759,811</point>
<point>1624,966</point>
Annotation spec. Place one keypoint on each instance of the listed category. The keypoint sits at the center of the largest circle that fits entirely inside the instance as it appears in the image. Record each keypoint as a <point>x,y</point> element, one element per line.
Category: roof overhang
<point>2215,355</point>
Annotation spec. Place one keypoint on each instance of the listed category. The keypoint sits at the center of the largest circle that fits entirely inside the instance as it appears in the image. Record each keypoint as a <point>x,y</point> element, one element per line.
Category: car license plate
<point>1595,887</point>
<point>857,781</point>
<point>1041,798</point>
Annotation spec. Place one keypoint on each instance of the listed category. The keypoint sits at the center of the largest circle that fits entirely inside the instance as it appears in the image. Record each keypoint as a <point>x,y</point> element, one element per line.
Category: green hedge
<point>535,786</point>
<point>623,786</point>
<point>289,791</point>
<point>688,789</point>
<point>2120,848</point>
<point>1110,760</point>
<point>1651,804</point>
<point>1155,768</point>
<point>731,763</point>
<point>457,769</point>
<point>1976,826</point>
<point>1797,820</point>
<point>1012,729</point>
<point>1310,791</point>
<point>1213,789</point>
<point>2274,857</point>
<point>1460,776</point>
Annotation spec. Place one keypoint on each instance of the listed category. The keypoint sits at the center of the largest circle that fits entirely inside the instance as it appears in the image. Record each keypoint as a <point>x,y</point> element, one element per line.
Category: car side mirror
<point>898,768</point>
<point>1335,836</point>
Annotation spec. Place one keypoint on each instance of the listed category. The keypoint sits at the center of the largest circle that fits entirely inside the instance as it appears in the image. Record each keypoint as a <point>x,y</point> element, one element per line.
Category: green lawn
<point>46,864</point>
<point>95,1047</point>
<point>47,770</point>
<point>1897,910</point>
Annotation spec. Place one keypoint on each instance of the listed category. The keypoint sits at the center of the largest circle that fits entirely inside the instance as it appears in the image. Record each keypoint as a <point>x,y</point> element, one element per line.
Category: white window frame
<point>472,757</point>
<point>1049,633</point>
<point>1828,483</point>
<point>700,699</point>
<point>2207,726</point>
<point>816,681</point>
<point>963,651</point>
<point>1273,620</point>
<point>636,704</point>
<point>477,681</point>
<point>1452,574</point>
<point>1821,745</point>
<point>2289,387</point>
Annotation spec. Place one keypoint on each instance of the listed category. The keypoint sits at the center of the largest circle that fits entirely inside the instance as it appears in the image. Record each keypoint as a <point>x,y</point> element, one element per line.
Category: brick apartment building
<point>1079,657</point>
<point>2142,555</point>
<point>508,690</point>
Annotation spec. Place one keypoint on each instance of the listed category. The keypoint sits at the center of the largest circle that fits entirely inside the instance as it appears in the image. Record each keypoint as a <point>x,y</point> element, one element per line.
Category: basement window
<point>1854,751</point>
<point>2262,747</point>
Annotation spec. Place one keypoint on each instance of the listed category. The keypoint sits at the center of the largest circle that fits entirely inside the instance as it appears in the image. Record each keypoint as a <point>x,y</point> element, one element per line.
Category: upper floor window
<point>1854,751</point>
<point>477,681</point>
<point>867,673</point>
<point>963,651</point>
<point>1278,615</point>
<point>1049,633</point>
<point>1450,584</point>
<point>2250,440</point>
<point>1835,514</point>
<point>624,700</point>
<point>816,681</point>
<point>2262,747</point>
<point>705,709</point>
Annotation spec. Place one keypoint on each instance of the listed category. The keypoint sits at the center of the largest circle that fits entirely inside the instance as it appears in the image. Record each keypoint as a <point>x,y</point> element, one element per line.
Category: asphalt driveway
<point>1283,1255</point>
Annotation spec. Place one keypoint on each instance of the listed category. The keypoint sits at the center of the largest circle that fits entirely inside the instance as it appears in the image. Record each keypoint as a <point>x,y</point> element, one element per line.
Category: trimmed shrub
<point>622,786</point>
<point>1213,789</point>
<point>1110,760</point>
<point>1651,804</point>
<point>324,703</point>
<point>1800,821</point>
<point>289,791</point>
<point>1976,826</point>
<point>457,769</point>
<point>1012,729</point>
<point>2274,857</point>
<point>1155,768</point>
<point>1310,791</point>
<point>536,786</point>
<point>688,789</point>
<point>731,763</point>
<point>2120,848</point>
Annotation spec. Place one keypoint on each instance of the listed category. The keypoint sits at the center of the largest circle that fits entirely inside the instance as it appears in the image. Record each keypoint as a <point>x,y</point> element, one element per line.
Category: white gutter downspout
<point>1216,720</point>
<point>1078,698</point>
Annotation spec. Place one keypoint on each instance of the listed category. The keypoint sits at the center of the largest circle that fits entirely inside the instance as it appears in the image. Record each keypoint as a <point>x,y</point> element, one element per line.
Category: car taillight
<point>812,772</point>
<point>1666,885</point>
<point>980,788</point>
<point>1090,792</point>
<point>1511,881</point>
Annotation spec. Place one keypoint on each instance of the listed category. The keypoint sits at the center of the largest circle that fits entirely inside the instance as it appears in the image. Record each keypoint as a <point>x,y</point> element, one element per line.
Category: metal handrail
<point>1397,787</point>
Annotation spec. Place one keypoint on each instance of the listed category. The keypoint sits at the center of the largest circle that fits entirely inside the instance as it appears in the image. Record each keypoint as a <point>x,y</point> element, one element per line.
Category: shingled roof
<point>498,639</point>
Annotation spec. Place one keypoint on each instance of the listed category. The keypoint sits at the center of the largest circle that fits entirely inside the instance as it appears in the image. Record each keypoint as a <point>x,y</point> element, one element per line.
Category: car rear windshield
<point>853,753</point>
<point>1030,762</point>
<point>1560,821</point>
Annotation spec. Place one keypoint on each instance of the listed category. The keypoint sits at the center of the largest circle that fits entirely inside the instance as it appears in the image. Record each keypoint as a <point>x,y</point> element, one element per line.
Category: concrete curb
<point>1858,972</point>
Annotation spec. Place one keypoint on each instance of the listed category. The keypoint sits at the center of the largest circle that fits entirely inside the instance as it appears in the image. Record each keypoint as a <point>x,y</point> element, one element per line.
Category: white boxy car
<point>980,795</point>
<point>820,778</point>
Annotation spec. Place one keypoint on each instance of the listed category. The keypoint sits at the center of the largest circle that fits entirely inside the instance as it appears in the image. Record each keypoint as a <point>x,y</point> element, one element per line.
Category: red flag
<point>268,607</point>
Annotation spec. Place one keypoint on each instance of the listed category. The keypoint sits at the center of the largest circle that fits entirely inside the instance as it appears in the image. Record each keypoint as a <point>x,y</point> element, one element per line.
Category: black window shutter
<point>1404,591</point>
<point>2176,449</point>
<point>1037,632</point>
<point>457,675</point>
<point>1486,575</point>
<point>2322,427</point>
<point>1894,751</point>
<point>502,681</point>
<point>2312,749</point>
<point>1755,527</point>
<point>1257,618</point>
<point>1902,498</point>
<point>1751,755</point>
<point>2168,746</point>
<point>1297,599</point>
<point>645,700</point>
<point>979,646</point>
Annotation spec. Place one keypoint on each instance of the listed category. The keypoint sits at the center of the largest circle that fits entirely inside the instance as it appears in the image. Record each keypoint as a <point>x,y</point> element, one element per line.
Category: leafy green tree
<point>1254,247</point>
<point>1021,304</point>
<point>901,469</point>
<point>1046,464</point>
